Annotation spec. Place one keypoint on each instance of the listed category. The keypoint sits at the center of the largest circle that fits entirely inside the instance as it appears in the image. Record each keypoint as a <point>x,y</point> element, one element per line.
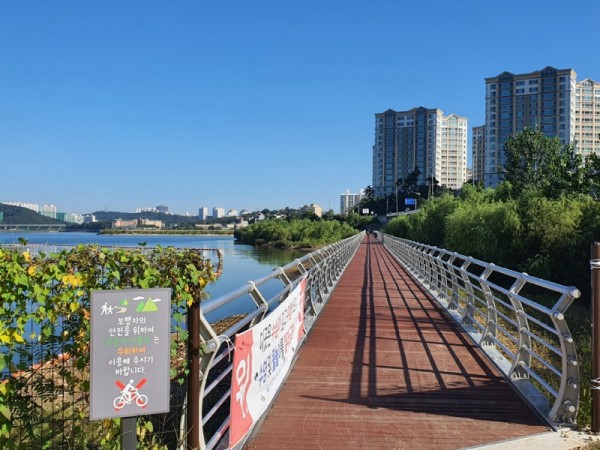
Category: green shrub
<point>52,292</point>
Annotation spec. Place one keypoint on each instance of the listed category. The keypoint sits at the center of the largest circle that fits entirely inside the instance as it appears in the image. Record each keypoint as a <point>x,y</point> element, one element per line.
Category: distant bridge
<point>32,227</point>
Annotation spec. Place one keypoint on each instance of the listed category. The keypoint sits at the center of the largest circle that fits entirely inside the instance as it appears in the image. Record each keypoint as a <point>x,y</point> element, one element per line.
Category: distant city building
<point>315,209</point>
<point>478,144</point>
<point>544,99</point>
<point>48,211</point>
<point>203,213</point>
<point>469,174</point>
<point>232,213</point>
<point>163,209</point>
<point>241,223</point>
<point>31,206</point>
<point>1,216</point>
<point>120,223</point>
<point>147,209</point>
<point>244,212</point>
<point>73,218</point>
<point>150,223</point>
<point>218,213</point>
<point>89,218</point>
<point>418,138</point>
<point>349,201</point>
<point>587,117</point>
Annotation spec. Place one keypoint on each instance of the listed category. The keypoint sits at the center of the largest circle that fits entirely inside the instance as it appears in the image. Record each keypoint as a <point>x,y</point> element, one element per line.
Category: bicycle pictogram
<point>129,394</point>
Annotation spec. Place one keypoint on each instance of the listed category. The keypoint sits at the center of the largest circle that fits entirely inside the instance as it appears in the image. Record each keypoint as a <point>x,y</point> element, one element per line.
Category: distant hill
<point>109,216</point>
<point>15,215</point>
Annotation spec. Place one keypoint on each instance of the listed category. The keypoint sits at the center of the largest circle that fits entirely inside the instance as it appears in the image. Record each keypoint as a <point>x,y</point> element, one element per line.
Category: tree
<point>535,161</point>
<point>412,179</point>
<point>591,175</point>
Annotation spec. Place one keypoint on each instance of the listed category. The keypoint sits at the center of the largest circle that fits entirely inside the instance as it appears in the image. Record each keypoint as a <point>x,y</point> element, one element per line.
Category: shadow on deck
<point>385,368</point>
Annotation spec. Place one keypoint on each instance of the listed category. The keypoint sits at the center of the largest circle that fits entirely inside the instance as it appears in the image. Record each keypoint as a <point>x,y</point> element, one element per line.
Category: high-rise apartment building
<point>218,212</point>
<point>587,117</point>
<point>349,201</point>
<point>478,144</point>
<point>453,152</point>
<point>544,99</point>
<point>48,211</point>
<point>419,138</point>
<point>203,213</point>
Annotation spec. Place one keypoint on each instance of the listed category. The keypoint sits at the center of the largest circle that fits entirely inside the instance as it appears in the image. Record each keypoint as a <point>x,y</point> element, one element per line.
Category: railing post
<point>522,355</point>
<point>454,303</point>
<point>193,381</point>
<point>595,390</point>
<point>469,315</point>
<point>491,324</point>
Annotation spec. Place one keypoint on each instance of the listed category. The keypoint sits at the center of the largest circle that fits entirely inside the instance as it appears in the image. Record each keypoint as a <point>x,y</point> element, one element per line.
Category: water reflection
<point>241,263</point>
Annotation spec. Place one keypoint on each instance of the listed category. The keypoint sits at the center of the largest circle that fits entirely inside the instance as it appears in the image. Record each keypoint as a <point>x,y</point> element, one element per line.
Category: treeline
<point>546,237</point>
<point>300,233</point>
<point>542,219</point>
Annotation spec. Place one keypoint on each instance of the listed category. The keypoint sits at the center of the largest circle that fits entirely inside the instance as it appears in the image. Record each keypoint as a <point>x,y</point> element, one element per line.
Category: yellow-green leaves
<point>44,310</point>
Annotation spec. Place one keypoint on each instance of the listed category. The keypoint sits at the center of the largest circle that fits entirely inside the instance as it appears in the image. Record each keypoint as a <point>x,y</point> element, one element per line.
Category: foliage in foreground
<point>301,233</point>
<point>44,324</point>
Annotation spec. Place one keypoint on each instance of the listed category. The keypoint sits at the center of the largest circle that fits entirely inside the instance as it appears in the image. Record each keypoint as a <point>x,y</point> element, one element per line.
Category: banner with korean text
<point>261,360</point>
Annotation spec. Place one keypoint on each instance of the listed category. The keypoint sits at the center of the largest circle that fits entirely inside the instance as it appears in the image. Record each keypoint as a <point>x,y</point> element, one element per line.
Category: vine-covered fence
<point>45,330</point>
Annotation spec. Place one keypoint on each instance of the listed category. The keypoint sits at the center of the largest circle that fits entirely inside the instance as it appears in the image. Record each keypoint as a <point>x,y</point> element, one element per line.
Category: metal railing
<point>518,321</point>
<point>322,269</point>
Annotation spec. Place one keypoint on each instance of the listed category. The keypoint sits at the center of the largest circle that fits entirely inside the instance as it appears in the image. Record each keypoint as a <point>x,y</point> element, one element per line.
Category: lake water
<point>241,263</point>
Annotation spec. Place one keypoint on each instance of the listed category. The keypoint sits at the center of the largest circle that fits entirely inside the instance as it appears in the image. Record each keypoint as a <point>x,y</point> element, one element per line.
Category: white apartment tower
<point>478,143</point>
<point>203,213</point>
<point>453,152</point>
<point>587,117</point>
<point>349,201</point>
<point>419,138</point>
<point>544,99</point>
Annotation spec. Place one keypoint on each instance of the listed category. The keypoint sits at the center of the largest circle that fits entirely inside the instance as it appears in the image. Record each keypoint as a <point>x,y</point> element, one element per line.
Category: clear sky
<point>122,104</point>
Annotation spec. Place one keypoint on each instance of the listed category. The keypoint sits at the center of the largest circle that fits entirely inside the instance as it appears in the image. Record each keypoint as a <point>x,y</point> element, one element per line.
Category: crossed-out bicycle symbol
<point>129,394</point>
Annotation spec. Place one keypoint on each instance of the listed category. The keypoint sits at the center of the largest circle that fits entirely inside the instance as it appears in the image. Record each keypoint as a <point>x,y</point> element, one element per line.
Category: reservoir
<point>241,263</point>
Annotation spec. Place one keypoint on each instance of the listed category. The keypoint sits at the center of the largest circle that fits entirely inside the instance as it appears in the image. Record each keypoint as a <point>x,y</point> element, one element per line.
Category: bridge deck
<point>384,368</point>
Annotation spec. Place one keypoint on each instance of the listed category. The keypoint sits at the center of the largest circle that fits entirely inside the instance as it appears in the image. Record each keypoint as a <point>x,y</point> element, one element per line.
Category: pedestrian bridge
<point>407,346</point>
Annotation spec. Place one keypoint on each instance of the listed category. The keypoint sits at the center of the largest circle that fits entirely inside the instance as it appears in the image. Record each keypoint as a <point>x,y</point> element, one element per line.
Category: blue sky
<point>124,104</point>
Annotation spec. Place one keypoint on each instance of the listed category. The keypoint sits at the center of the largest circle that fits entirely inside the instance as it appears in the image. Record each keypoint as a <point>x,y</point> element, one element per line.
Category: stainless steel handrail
<point>529,342</point>
<point>322,270</point>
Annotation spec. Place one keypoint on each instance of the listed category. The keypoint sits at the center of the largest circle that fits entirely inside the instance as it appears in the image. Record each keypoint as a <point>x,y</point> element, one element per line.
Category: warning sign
<point>130,352</point>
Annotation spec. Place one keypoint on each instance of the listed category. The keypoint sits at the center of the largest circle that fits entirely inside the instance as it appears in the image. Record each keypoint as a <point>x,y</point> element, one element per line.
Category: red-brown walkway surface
<point>383,368</point>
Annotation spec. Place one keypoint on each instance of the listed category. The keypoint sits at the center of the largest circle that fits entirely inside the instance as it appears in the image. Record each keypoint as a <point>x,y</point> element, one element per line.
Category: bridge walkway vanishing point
<point>384,368</point>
